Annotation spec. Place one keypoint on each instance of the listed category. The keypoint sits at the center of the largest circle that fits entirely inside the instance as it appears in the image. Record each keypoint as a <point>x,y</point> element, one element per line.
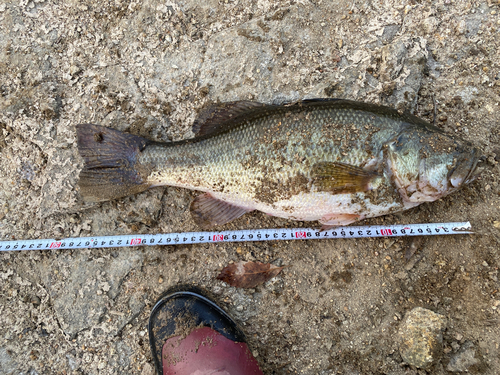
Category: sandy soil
<point>147,67</point>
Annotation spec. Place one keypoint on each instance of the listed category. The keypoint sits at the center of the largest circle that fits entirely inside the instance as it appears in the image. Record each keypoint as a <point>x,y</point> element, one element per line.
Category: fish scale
<point>224,160</point>
<point>336,161</point>
<point>224,154</point>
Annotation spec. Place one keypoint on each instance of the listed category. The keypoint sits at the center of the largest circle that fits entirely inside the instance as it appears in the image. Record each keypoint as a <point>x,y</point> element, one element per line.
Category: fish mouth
<point>476,170</point>
<point>467,170</point>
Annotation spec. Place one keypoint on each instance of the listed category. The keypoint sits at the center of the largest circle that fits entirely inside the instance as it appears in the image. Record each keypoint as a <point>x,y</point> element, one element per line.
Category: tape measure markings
<point>373,231</point>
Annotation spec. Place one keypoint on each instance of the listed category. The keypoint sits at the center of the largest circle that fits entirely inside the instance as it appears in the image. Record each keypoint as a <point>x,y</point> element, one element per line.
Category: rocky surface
<point>422,337</point>
<point>148,67</point>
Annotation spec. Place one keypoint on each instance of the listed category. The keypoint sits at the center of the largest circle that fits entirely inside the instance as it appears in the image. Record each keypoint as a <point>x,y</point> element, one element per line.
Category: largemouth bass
<point>335,161</point>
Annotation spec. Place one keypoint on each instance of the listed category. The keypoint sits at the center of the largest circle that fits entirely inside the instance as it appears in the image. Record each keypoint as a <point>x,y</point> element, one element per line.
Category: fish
<point>335,161</point>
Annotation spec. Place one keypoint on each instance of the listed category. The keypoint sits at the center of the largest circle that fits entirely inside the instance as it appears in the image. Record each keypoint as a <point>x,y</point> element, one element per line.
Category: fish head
<point>426,165</point>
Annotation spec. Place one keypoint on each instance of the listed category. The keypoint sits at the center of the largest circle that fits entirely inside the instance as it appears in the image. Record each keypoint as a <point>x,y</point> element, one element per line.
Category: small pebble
<point>464,359</point>
<point>35,300</point>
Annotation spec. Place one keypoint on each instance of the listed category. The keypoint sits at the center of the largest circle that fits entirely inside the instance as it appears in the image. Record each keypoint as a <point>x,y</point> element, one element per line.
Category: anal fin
<point>334,220</point>
<point>208,211</point>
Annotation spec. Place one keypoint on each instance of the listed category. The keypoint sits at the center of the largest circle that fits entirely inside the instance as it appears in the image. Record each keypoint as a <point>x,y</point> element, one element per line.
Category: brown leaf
<point>248,274</point>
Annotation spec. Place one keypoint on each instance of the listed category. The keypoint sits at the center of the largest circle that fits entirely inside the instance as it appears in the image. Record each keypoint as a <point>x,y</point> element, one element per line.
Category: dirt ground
<point>147,67</point>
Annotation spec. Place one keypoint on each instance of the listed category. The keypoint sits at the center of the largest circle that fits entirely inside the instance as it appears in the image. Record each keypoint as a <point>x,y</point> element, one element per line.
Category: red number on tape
<point>135,241</point>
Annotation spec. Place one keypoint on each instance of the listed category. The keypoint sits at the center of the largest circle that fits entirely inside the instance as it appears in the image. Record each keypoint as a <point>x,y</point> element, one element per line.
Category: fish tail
<point>111,168</point>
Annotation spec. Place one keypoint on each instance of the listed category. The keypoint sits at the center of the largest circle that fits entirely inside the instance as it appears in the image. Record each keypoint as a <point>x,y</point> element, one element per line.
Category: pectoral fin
<point>340,178</point>
<point>208,211</point>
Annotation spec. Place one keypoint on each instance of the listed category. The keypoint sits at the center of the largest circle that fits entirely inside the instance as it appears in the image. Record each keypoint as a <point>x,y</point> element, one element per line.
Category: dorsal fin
<point>220,116</point>
<point>318,100</point>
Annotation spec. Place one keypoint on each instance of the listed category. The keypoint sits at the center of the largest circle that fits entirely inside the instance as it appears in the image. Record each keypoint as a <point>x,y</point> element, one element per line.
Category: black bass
<point>335,161</point>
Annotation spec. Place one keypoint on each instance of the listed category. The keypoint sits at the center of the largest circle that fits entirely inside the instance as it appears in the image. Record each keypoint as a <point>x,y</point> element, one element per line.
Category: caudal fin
<point>111,169</point>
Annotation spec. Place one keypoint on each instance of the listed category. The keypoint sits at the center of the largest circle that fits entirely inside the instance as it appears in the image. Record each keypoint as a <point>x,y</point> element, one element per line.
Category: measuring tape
<point>371,231</point>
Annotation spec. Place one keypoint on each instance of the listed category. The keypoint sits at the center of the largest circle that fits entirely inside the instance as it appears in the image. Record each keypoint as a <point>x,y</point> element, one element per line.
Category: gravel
<point>148,67</point>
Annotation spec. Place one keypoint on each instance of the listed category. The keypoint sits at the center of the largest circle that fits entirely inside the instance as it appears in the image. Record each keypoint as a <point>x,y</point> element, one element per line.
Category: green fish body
<point>335,161</point>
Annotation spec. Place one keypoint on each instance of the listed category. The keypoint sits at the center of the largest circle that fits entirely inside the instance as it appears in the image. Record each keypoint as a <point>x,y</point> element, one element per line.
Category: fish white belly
<point>317,206</point>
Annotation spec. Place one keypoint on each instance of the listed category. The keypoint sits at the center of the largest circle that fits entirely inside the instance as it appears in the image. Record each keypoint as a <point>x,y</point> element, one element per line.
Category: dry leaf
<point>248,274</point>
